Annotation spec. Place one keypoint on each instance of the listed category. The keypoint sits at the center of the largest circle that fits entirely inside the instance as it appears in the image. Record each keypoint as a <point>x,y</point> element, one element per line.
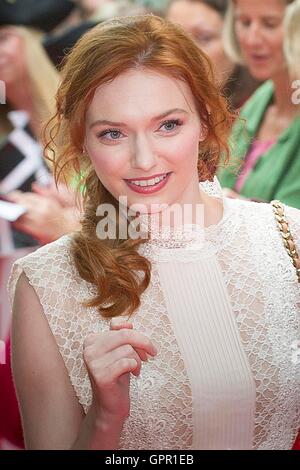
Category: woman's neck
<point>195,208</point>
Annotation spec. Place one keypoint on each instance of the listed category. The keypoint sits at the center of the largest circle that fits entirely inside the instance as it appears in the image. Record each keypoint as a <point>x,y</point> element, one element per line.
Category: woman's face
<point>206,26</point>
<point>142,136</point>
<point>259,30</point>
<point>12,61</point>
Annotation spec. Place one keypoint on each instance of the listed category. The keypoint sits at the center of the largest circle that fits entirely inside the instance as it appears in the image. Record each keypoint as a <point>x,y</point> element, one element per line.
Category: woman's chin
<point>148,209</point>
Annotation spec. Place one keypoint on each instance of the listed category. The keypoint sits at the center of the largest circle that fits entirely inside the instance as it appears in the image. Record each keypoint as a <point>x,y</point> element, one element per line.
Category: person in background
<point>86,15</point>
<point>266,143</point>
<point>31,82</point>
<point>58,45</point>
<point>204,20</point>
<point>44,15</point>
<point>100,10</point>
<point>158,7</point>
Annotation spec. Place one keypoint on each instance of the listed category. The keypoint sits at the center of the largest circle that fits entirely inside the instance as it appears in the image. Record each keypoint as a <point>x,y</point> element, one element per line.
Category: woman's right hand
<point>110,357</point>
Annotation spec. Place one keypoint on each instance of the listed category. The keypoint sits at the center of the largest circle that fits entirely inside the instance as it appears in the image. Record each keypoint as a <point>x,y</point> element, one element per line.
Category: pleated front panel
<point>222,385</point>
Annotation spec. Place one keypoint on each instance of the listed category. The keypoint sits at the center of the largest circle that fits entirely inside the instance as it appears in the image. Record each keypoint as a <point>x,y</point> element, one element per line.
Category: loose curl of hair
<point>115,267</point>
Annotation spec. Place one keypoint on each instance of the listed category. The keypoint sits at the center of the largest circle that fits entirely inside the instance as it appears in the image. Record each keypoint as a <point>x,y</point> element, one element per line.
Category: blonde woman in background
<point>31,82</point>
<point>266,147</point>
<point>29,76</point>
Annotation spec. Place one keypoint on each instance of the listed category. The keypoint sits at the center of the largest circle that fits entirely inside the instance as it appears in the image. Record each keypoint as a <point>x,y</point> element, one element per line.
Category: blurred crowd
<point>254,48</point>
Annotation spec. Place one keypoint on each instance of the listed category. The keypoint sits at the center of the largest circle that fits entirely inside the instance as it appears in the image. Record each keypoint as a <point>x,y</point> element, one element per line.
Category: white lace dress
<point>225,317</point>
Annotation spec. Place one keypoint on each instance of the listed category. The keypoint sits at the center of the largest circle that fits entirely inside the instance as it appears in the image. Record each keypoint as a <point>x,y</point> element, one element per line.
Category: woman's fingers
<point>118,368</point>
<point>118,323</point>
<point>23,198</point>
<point>14,196</point>
<point>44,191</point>
<point>104,342</point>
<point>124,351</point>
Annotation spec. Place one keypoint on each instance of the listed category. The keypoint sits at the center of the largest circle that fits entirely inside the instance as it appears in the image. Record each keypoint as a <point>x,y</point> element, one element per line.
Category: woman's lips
<point>148,189</point>
<point>259,58</point>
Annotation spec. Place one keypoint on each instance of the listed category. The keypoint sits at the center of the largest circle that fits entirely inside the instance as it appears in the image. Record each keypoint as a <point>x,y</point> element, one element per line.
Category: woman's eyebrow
<point>171,111</point>
<point>107,123</point>
<point>119,124</point>
<point>264,17</point>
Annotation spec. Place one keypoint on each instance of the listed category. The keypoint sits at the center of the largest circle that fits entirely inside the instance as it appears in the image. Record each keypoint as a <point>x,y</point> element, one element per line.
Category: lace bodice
<point>224,315</point>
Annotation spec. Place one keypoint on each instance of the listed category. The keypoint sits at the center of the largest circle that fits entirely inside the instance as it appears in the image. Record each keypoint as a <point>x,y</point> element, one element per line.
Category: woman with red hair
<point>170,320</point>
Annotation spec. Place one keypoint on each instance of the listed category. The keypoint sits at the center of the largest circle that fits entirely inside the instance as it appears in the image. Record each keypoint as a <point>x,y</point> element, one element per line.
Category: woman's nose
<point>254,35</point>
<point>143,155</point>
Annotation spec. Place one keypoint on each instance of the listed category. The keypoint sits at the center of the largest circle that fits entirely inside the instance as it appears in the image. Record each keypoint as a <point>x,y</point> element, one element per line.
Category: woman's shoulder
<point>261,216</point>
<point>261,208</point>
<point>48,267</point>
<point>246,208</point>
<point>49,254</point>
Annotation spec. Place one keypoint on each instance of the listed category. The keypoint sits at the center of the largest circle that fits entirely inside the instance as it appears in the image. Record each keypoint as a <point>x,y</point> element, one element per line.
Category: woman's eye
<point>246,24</point>
<point>243,22</point>
<point>170,125</point>
<point>110,134</point>
<point>271,24</point>
<point>203,38</point>
<point>115,134</point>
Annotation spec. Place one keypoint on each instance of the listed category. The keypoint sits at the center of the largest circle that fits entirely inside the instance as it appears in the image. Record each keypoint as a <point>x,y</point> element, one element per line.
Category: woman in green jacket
<point>266,141</point>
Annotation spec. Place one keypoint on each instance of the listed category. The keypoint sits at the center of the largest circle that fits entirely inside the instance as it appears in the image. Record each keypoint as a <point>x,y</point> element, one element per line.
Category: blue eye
<point>171,125</point>
<point>110,134</point>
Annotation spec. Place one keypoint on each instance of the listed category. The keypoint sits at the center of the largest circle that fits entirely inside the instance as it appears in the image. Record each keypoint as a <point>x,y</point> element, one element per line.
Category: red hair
<point>106,51</point>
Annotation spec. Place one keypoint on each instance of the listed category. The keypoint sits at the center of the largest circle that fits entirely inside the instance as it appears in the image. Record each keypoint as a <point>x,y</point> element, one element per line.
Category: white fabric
<point>222,386</point>
<point>224,315</point>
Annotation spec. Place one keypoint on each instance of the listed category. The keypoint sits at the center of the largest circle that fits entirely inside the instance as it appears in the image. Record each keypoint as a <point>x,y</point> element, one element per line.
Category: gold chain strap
<point>287,237</point>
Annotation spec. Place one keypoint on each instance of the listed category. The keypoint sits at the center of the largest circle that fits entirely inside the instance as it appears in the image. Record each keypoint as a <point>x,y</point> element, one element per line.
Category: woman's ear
<point>203,133</point>
<point>84,150</point>
<point>84,145</point>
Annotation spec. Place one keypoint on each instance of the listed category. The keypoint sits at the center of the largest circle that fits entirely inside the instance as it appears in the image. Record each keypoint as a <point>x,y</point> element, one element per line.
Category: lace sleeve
<point>42,268</point>
<point>16,271</point>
